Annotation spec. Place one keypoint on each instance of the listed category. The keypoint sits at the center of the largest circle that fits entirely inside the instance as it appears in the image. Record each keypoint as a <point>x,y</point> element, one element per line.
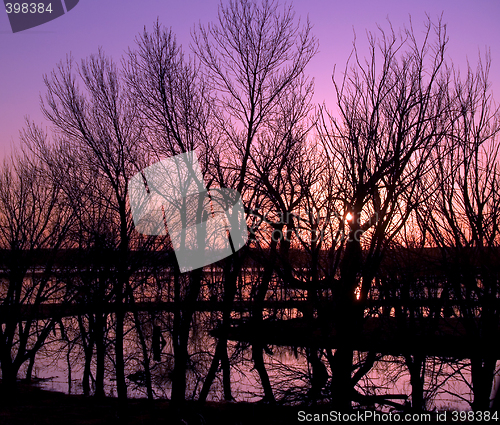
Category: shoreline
<point>37,406</point>
<point>34,405</point>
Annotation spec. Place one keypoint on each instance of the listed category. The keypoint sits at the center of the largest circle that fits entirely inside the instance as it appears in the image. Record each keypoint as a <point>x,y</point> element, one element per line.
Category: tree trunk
<point>348,320</point>
<point>100,355</point>
<point>212,373</point>
<point>68,364</point>
<point>258,361</point>
<point>9,378</point>
<point>121,288</point>
<point>341,384</point>
<point>232,269</point>
<point>181,336</point>
<point>86,373</point>
<point>31,364</point>
<point>415,365</point>
<point>482,374</point>
<point>145,357</point>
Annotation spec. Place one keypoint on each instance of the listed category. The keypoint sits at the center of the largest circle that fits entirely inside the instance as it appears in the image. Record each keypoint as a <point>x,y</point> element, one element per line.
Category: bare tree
<point>380,147</point>
<point>462,218</point>
<point>101,124</point>
<point>176,117</point>
<point>88,277</point>
<point>33,225</point>
<point>279,168</point>
<point>252,58</point>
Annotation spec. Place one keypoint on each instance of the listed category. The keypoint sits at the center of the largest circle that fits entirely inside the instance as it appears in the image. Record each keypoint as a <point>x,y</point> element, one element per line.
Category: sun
<point>348,216</point>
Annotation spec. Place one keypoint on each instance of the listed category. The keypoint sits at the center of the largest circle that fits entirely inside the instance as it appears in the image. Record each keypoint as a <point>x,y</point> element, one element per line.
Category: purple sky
<point>113,24</point>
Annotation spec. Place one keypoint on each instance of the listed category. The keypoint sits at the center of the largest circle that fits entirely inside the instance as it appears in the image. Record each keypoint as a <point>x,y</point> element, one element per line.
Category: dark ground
<point>34,406</point>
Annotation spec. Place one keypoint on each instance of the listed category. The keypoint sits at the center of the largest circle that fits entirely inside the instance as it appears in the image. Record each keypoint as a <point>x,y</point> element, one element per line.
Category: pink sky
<point>113,24</point>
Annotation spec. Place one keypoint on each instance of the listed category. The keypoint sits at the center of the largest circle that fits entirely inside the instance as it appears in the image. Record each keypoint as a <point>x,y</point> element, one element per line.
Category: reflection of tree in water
<point>290,370</point>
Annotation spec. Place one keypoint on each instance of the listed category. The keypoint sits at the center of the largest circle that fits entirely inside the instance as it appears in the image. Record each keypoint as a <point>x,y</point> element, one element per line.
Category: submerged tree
<point>254,58</point>
<point>100,123</point>
<point>380,148</point>
<point>176,118</point>
<point>462,219</point>
<point>34,221</point>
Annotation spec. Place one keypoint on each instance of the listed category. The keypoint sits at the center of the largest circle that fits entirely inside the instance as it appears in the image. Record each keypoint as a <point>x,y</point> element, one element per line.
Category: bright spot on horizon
<point>348,216</point>
<point>357,292</point>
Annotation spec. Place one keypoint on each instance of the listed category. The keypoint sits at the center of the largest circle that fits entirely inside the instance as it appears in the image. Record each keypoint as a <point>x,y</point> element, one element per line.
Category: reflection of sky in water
<point>287,370</point>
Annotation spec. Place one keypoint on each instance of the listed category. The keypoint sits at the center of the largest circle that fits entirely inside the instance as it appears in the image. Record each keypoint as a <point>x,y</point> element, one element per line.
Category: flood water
<point>446,385</point>
<point>59,364</point>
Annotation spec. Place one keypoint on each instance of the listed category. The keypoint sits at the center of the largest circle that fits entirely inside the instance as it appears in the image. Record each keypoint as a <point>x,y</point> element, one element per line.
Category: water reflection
<point>60,365</point>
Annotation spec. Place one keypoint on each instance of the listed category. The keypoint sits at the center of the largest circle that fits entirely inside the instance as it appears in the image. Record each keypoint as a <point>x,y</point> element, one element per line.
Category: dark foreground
<point>34,406</point>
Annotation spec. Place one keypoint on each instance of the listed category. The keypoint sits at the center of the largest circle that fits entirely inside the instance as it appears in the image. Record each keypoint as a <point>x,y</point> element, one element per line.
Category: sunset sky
<point>25,56</point>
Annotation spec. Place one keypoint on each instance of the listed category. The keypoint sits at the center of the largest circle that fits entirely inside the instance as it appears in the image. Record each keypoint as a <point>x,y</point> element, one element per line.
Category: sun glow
<point>357,292</point>
<point>348,216</point>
